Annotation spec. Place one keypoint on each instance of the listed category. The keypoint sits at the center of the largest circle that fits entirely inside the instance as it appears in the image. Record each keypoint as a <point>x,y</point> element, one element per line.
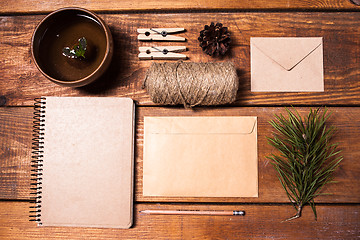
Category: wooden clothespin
<point>168,52</point>
<point>159,34</point>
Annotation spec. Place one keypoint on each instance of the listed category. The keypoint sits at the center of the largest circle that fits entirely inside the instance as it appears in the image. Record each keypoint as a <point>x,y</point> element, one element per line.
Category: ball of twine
<point>191,83</point>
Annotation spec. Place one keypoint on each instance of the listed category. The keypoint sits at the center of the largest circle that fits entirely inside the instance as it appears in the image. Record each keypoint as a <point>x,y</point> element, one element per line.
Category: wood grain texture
<point>21,81</point>
<point>15,169</point>
<point>260,222</point>
<point>15,152</point>
<point>32,6</point>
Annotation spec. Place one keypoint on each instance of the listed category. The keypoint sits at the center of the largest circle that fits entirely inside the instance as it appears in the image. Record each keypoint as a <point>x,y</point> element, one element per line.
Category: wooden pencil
<point>193,212</point>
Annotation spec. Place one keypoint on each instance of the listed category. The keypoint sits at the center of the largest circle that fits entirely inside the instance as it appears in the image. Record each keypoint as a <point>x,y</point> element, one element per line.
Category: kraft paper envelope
<point>200,157</point>
<point>287,64</point>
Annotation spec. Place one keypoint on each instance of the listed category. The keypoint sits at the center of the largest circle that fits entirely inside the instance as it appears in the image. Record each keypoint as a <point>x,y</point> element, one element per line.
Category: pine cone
<point>214,39</point>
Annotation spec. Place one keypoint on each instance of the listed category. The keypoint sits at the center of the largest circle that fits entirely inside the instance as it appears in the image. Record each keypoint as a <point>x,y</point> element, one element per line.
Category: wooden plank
<point>260,221</point>
<point>33,6</point>
<point>17,125</point>
<point>22,81</point>
<point>15,152</point>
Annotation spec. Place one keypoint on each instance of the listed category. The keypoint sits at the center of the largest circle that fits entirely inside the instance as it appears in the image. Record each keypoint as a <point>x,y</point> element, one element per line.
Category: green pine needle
<point>307,159</point>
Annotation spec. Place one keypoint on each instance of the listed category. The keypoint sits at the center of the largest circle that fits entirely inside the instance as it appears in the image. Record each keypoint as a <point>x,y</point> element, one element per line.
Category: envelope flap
<point>287,51</point>
<point>201,125</point>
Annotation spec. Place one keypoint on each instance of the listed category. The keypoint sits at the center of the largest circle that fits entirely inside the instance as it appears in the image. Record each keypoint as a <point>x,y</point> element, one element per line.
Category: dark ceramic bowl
<point>62,29</point>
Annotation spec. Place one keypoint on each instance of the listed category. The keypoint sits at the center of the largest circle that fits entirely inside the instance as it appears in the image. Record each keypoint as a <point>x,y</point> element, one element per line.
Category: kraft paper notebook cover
<point>85,172</point>
<point>200,157</point>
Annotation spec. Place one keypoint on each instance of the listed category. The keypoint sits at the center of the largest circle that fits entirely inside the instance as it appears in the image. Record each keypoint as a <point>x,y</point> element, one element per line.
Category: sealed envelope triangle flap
<point>287,51</point>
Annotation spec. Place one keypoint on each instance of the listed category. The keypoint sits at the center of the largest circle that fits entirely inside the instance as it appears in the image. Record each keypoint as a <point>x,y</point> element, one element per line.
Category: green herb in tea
<point>307,159</point>
<point>77,51</point>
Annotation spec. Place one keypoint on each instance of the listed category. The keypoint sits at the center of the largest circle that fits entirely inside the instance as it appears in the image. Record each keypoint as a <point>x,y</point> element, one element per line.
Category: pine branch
<point>307,160</point>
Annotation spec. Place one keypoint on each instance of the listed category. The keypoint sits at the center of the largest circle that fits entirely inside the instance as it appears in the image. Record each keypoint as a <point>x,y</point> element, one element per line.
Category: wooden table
<point>337,21</point>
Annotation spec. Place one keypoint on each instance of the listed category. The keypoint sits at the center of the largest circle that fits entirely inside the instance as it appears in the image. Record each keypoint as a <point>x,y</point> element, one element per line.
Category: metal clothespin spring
<point>164,51</point>
<point>162,33</point>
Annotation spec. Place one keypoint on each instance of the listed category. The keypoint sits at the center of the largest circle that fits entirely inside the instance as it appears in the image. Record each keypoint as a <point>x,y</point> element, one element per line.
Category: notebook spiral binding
<point>37,159</point>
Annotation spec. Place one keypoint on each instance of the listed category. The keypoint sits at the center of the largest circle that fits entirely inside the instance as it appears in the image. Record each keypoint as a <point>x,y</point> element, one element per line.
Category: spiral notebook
<point>83,162</point>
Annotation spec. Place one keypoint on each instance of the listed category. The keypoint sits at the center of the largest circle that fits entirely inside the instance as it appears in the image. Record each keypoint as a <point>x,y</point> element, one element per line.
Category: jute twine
<point>191,83</point>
